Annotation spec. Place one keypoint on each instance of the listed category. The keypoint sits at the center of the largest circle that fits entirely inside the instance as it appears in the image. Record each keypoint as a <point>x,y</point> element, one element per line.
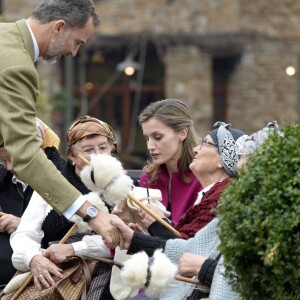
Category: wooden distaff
<point>2,214</point>
<point>178,277</point>
<point>144,207</point>
<point>28,280</point>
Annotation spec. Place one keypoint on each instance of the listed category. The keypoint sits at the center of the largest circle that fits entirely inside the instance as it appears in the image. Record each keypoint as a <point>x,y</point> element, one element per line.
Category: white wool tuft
<point>119,189</point>
<point>94,199</point>
<point>134,272</point>
<point>163,272</point>
<point>109,176</point>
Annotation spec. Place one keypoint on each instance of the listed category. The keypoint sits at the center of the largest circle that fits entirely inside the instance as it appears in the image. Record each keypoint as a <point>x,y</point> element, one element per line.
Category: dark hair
<point>75,13</point>
<point>176,115</point>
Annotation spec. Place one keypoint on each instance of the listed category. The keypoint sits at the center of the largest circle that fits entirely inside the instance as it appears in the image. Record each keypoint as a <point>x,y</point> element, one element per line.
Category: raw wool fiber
<point>134,272</point>
<point>105,174</point>
<point>163,272</point>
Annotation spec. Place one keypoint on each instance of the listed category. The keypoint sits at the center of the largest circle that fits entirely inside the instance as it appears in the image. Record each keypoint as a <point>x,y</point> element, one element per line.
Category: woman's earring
<point>73,163</point>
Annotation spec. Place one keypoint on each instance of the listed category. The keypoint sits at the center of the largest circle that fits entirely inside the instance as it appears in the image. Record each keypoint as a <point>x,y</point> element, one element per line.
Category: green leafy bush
<point>260,221</point>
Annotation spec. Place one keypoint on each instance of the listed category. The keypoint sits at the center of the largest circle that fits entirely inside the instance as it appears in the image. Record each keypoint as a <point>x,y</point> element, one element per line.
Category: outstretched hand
<point>104,226</point>
<point>126,231</point>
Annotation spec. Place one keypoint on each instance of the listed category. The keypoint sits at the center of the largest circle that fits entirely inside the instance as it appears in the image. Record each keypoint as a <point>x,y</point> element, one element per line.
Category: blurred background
<point>230,60</point>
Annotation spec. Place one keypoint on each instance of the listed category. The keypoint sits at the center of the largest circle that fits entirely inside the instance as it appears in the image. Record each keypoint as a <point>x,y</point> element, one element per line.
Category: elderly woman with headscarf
<point>40,224</point>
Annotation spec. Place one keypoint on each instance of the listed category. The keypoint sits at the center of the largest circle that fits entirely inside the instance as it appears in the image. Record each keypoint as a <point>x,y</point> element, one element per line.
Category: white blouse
<point>26,240</point>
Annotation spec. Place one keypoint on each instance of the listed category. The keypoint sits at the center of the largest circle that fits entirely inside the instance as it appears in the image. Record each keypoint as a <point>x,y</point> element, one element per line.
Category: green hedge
<point>260,221</point>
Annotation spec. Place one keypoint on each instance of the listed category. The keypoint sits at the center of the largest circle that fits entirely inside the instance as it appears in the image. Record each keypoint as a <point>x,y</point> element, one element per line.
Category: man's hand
<point>190,264</point>
<point>102,224</point>
<point>42,270</point>
<point>9,223</point>
<point>57,252</point>
<point>127,233</point>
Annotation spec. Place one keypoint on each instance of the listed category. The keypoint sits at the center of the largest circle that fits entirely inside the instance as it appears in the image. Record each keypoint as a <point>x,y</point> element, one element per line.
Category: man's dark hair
<point>75,13</point>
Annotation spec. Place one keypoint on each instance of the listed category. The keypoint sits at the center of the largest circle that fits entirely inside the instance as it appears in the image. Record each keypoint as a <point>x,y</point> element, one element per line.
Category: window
<point>223,67</point>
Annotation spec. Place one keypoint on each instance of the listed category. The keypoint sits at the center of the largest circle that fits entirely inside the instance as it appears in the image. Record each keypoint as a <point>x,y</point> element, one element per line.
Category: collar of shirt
<point>15,180</point>
<point>35,44</point>
<point>202,193</point>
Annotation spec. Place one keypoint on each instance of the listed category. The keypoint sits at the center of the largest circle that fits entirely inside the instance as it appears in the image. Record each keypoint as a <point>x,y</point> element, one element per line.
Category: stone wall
<point>188,77</point>
<point>259,89</point>
<point>168,16</point>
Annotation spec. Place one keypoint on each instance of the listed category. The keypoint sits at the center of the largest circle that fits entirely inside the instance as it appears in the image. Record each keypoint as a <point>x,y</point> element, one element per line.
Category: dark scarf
<point>201,214</point>
<point>55,226</point>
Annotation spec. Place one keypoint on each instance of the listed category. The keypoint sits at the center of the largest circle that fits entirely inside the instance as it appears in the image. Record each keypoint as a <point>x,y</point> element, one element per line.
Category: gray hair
<point>75,13</point>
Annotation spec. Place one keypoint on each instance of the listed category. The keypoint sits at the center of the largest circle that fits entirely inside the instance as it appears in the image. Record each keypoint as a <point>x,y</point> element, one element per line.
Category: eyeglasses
<point>205,142</point>
<point>103,149</point>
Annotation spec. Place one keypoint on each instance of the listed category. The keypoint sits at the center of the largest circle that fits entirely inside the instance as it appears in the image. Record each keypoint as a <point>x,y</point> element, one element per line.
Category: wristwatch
<point>91,213</point>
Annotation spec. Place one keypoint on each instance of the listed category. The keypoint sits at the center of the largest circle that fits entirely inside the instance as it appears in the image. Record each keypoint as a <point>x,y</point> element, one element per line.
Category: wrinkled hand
<point>125,217</point>
<point>127,233</point>
<point>146,219</point>
<point>9,223</point>
<point>42,270</point>
<point>190,264</point>
<point>58,252</point>
<point>103,225</point>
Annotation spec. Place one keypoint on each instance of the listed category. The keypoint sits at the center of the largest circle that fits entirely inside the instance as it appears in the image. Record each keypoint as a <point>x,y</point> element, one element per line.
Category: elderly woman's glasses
<point>103,149</point>
<point>205,142</point>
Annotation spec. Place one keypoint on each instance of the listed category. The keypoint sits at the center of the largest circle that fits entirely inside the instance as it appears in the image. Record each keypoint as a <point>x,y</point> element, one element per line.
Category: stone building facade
<point>225,58</point>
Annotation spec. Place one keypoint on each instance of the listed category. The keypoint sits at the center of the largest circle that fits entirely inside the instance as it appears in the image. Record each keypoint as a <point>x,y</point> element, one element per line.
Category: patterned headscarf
<point>225,137</point>
<point>87,125</point>
<point>248,144</point>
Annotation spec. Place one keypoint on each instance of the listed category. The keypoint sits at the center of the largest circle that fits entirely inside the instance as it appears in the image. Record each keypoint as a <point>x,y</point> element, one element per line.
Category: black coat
<point>12,201</point>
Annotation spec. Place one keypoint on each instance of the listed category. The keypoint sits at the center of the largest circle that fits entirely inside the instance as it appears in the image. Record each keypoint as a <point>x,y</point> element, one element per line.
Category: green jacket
<point>19,89</point>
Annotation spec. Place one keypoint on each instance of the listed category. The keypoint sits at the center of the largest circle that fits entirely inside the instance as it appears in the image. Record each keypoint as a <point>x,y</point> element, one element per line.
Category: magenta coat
<point>182,195</point>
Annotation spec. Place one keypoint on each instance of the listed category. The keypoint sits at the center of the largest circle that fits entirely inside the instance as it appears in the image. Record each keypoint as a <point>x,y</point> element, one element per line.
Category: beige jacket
<point>19,88</point>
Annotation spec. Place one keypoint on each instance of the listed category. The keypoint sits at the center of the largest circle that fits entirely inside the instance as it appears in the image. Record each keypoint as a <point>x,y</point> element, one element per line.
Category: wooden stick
<point>2,214</point>
<point>28,280</point>
<point>84,160</point>
<point>68,234</point>
<point>21,288</point>
<point>144,207</point>
<point>153,214</point>
<point>189,280</point>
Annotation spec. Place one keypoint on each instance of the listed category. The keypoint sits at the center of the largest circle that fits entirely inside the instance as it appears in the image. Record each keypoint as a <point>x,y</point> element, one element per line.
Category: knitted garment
<point>204,243</point>
<point>201,214</point>
<point>220,288</point>
<point>99,288</point>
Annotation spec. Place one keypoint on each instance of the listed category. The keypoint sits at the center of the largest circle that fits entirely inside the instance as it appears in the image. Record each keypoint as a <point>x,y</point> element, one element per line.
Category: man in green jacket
<point>55,28</point>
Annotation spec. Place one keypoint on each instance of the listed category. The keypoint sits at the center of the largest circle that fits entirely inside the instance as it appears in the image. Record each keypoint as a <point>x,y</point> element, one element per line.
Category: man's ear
<point>58,26</point>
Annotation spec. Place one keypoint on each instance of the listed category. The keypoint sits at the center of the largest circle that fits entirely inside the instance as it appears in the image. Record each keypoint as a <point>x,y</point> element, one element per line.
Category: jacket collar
<point>26,36</point>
